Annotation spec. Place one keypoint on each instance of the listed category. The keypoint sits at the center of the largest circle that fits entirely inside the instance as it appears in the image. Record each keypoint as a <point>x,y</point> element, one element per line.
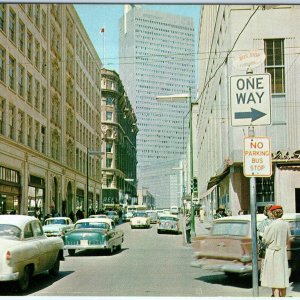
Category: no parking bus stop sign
<point>257,157</point>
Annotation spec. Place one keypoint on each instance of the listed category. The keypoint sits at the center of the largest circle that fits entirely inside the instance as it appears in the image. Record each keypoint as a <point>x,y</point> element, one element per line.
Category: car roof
<point>95,220</point>
<point>98,216</point>
<point>58,218</point>
<point>17,220</point>
<point>259,218</point>
<point>291,216</point>
<point>168,215</point>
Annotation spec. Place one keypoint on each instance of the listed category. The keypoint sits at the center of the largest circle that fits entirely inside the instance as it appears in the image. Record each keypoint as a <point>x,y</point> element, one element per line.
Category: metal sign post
<point>251,106</point>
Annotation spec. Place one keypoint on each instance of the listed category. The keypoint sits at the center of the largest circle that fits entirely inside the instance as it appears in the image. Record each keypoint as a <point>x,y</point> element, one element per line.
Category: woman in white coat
<point>275,273</point>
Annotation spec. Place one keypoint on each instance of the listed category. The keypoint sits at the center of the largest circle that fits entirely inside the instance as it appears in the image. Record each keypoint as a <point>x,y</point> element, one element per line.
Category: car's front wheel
<point>55,268</point>
<point>24,280</point>
<point>71,252</point>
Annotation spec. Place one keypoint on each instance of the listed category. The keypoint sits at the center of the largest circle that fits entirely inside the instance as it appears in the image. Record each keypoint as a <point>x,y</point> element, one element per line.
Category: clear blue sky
<point>95,16</point>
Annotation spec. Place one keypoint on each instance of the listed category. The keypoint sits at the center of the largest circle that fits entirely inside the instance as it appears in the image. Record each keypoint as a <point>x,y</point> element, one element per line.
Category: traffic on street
<point>149,264</point>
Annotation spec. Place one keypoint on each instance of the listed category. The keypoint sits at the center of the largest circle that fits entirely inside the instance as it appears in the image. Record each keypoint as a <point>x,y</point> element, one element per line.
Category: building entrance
<point>297,200</point>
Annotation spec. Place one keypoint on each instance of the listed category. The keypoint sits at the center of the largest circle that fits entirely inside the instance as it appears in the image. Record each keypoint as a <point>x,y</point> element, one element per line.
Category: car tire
<point>71,252</point>
<point>54,271</point>
<point>24,281</point>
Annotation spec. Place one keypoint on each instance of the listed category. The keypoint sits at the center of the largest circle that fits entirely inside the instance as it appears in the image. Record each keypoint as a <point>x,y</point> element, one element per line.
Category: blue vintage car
<point>94,233</point>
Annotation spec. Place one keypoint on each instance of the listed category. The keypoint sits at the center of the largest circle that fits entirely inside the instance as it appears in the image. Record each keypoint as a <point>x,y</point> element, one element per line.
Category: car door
<point>47,253</point>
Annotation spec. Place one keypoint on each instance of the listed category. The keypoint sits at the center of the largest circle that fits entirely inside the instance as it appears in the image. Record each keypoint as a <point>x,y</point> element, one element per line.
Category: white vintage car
<point>58,226</point>
<point>140,219</point>
<point>26,251</point>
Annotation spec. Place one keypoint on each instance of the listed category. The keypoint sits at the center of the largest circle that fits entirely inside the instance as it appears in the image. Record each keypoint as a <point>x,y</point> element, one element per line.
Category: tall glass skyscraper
<point>157,58</point>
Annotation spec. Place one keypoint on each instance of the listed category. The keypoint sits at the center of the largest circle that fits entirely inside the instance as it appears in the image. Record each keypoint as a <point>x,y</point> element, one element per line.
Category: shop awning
<point>206,193</point>
<point>216,179</point>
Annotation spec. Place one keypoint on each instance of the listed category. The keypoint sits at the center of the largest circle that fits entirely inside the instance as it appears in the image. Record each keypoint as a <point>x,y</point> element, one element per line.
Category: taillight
<point>8,257</point>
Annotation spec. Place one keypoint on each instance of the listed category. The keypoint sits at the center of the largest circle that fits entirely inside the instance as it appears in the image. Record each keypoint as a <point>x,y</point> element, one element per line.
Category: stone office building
<point>49,111</point>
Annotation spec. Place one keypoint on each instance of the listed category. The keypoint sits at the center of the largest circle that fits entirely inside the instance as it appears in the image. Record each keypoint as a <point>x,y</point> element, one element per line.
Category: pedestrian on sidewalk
<point>275,272</point>
<point>188,228</point>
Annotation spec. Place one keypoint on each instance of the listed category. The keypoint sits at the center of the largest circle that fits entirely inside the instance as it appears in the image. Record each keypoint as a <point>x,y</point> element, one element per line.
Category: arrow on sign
<point>253,115</point>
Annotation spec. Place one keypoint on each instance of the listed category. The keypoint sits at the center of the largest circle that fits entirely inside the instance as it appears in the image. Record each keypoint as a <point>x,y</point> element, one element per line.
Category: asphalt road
<point>149,264</point>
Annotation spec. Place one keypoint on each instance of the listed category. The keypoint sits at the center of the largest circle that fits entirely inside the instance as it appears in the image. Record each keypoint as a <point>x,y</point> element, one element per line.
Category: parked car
<point>113,215</point>
<point>58,226</point>
<point>168,223</point>
<point>94,233</point>
<point>153,216</point>
<point>26,251</point>
<point>140,219</point>
<point>227,247</point>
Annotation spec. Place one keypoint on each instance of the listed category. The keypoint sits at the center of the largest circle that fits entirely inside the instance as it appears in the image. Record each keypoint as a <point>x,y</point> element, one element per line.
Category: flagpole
<point>102,31</point>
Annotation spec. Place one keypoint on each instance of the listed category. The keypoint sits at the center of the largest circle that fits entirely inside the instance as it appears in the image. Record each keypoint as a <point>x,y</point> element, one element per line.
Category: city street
<point>149,264</point>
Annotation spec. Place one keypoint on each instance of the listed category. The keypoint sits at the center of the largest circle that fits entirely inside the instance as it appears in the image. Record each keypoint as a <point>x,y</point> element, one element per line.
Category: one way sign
<point>250,100</point>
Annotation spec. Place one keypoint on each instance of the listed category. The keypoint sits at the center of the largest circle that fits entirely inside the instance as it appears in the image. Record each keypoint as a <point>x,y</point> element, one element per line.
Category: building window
<point>37,136</point>
<point>44,97</point>
<point>30,11</point>
<point>29,131</point>
<point>21,36</point>
<point>109,101</point>
<point>2,16</point>
<point>274,50</point>
<point>12,25</point>
<point>2,64</point>
<point>37,95</point>
<point>12,73</point>
<point>37,15</point>
<point>21,125</point>
<point>44,64</point>
<point>37,55</point>
<point>29,45</point>
<point>264,192</point>
<point>109,147</point>
<point>2,113</point>
<point>11,122</point>
<point>43,139</point>
<point>108,162</point>
<point>109,116</point>
<point>29,88</point>
<point>44,24</point>
<point>21,80</point>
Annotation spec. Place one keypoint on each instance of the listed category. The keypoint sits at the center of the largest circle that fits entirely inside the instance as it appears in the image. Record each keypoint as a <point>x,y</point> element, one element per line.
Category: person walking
<point>275,272</point>
<point>188,228</point>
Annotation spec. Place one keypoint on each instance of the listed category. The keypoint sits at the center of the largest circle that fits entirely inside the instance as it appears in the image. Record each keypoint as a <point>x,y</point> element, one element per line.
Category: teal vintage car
<point>94,233</point>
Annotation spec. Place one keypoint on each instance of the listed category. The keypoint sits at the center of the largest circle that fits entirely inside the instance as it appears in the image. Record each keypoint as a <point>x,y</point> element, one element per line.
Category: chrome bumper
<point>218,267</point>
<point>9,277</point>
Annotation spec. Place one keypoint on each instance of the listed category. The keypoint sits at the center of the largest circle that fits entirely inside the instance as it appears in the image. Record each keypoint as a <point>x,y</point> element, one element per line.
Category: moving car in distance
<point>168,223</point>
<point>227,248</point>
<point>174,210</point>
<point>57,226</point>
<point>98,216</point>
<point>26,251</point>
<point>140,219</point>
<point>113,215</point>
<point>94,233</point>
<point>153,216</point>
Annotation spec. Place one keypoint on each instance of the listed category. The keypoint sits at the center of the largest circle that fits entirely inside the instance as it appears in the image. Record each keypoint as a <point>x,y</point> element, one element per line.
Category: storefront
<point>36,196</point>
<point>10,191</point>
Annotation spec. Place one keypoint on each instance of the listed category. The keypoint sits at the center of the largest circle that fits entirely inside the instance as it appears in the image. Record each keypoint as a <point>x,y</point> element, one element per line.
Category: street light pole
<point>87,181</point>
<point>191,164</point>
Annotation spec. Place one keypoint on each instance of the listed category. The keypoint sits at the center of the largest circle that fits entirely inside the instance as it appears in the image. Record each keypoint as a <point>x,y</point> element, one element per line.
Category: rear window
<point>168,219</point>
<point>295,227</point>
<point>10,231</point>
<point>92,225</point>
<point>230,228</point>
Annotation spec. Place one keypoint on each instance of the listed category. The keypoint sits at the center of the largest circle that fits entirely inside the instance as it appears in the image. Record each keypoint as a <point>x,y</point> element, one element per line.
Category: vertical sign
<point>257,157</point>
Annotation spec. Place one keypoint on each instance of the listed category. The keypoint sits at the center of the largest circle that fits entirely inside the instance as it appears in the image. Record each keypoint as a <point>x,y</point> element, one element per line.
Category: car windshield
<point>152,214</point>
<point>140,214</point>
<point>92,225</point>
<point>295,227</point>
<point>55,221</point>
<point>230,228</point>
<point>167,219</point>
<point>111,213</point>
<point>10,231</point>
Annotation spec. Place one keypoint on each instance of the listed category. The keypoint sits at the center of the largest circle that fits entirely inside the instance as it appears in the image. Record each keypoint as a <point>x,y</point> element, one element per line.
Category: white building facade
<point>157,58</point>
<point>226,33</point>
